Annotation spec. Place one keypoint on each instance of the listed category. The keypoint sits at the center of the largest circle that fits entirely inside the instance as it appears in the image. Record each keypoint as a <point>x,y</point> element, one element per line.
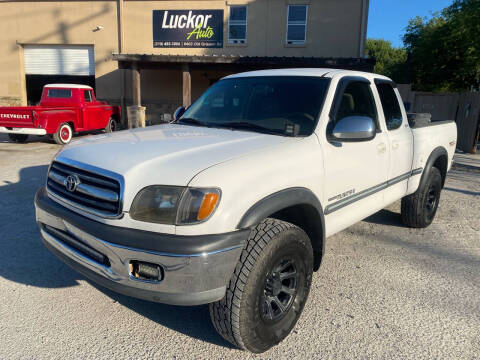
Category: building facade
<point>162,54</point>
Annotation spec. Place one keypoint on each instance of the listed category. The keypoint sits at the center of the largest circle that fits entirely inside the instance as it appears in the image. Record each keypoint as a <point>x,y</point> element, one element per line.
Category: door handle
<point>381,148</point>
<point>395,145</point>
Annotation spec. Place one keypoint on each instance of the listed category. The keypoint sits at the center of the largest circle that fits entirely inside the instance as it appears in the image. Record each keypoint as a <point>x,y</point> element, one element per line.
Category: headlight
<point>174,205</point>
<point>157,204</point>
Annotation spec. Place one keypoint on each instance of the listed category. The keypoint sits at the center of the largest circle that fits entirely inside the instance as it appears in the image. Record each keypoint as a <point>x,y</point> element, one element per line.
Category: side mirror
<point>354,128</point>
<point>178,113</point>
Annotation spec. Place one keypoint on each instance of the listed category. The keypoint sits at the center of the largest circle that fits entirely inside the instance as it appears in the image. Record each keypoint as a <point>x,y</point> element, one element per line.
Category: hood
<point>168,154</point>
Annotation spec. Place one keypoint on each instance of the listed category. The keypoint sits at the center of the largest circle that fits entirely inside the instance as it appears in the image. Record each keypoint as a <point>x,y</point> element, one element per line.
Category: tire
<point>18,138</point>
<point>242,316</point>
<point>112,125</point>
<point>64,134</point>
<point>419,208</point>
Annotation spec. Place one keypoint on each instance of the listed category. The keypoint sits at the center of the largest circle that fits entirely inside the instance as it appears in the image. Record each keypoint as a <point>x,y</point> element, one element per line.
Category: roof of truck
<point>320,72</point>
<point>70,86</point>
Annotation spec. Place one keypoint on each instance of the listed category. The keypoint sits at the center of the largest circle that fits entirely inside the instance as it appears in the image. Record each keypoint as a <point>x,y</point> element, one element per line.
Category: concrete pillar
<point>186,85</point>
<point>136,112</point>
<point>136,85</point>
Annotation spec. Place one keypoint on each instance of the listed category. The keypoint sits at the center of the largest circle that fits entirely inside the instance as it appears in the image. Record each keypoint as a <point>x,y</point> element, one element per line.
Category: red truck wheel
<point>64,134</point>
<point>111,126</point>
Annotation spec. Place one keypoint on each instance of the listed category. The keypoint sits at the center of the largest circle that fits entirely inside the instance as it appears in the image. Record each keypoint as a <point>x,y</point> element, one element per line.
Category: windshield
<point>283,105</point>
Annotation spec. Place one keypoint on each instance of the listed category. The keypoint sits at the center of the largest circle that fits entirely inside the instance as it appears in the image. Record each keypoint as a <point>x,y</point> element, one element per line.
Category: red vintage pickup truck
<point>64,109</point>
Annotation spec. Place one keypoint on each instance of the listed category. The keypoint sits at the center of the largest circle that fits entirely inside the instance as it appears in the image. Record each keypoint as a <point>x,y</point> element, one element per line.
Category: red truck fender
<point>51,120</point>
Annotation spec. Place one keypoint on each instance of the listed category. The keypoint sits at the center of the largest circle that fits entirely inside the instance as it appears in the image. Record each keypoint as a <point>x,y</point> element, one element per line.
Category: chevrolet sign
<point>14,116</point>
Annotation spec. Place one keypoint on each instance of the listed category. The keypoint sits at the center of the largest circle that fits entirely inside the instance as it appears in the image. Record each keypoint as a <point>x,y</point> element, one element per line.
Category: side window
<point>237,25</point>
<point>357,100</point>
<point>87,95</point>
<point>390,105</point>
<point>297,24</point>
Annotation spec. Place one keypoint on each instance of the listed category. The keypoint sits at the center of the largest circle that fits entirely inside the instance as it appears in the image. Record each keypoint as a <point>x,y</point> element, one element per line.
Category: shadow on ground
<point>24,260</point>
<point>386,217</point>
<point>193,321</point>
<point>31,138</point>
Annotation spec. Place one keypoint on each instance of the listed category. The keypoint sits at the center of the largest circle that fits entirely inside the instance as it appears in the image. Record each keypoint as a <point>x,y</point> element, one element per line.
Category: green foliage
<point>390,60</point>
<point>444,51</point>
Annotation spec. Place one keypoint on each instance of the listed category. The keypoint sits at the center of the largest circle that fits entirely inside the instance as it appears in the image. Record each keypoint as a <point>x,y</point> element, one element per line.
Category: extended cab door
<point>400,140</point>
<point>355,171</point>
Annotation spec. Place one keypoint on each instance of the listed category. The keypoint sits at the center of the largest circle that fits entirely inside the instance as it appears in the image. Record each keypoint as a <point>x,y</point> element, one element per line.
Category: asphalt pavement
<point>384,291</point>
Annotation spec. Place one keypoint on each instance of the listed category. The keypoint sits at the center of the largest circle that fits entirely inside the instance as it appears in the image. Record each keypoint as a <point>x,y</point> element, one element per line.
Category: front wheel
<point>268,289</point>
<point>64,134</point>
<point>18,138</point>
<point>419,208</point>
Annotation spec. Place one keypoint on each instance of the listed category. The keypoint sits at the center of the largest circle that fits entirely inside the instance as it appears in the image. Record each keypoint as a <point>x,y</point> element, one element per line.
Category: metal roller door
<point>59,60</point>
<point>48,64</point>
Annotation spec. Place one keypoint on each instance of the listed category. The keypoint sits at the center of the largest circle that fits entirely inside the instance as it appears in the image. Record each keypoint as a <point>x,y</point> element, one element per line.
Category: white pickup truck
<point>231,204</point>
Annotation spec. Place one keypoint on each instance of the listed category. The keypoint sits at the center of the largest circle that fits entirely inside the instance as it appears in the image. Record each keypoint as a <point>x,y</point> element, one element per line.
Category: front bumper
<point>24,131</point>
<point>190,278</point>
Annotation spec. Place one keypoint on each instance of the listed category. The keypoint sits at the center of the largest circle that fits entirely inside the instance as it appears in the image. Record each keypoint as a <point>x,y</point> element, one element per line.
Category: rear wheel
<point>64,134</point>
<point>18,138</point>
<point>112,125</point>
<point>268,289</point>
<point>419,209</point>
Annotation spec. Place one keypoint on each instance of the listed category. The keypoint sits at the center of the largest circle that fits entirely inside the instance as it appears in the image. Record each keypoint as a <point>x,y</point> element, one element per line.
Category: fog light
<point>146,271</point>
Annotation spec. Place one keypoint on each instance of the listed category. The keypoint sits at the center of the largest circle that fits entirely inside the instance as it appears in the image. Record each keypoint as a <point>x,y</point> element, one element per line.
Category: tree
<point>444,51</point>
<point>390,60</point>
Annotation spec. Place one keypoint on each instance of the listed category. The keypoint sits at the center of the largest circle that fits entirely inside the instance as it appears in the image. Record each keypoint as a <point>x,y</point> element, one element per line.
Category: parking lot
<point>384,291</point>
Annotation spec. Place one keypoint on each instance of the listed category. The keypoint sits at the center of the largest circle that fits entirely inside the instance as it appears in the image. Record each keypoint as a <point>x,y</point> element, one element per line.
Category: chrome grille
<point>91,192</point>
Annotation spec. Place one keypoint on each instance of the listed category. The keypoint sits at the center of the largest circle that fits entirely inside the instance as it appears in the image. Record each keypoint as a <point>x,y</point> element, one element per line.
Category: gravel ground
<point>384,291</point>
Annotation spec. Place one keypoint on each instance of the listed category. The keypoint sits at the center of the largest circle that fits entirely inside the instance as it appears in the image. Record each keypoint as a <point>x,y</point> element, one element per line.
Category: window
<point>297,24</point>
<point>87,95</point>
<point>59,93</point>
<point>357,100</point>
<point>390,105</point>
<point>237,25</point>
<point>270,104</point>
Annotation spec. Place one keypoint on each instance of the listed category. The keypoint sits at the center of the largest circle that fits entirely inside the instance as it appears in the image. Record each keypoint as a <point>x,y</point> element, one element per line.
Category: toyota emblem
<point>71,182</point>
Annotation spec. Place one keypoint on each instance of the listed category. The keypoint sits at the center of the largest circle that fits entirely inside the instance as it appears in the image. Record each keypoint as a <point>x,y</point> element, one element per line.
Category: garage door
<point>59,60</point>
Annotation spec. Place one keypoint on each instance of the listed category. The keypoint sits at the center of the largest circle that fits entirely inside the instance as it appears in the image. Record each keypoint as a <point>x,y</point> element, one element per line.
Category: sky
<point>388,19</point>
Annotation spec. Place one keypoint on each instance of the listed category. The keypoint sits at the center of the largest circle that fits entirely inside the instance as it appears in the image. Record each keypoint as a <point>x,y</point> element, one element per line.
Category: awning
<point>232,63</point>
<point>236,62</point>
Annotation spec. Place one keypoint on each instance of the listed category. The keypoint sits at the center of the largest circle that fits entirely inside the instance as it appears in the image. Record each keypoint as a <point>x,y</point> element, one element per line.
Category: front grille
<point>77,245</point>
<point>85,190</point>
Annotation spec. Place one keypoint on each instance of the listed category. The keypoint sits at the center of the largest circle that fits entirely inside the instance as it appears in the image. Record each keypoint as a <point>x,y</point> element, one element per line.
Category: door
<point>356,172</point>
<point>400,140</point>
<point>93,111</point>
<point>61,64</point>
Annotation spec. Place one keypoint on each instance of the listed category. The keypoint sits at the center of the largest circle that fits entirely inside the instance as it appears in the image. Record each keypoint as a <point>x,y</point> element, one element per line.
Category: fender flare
<point>284,199</point>
<point>434,156</point>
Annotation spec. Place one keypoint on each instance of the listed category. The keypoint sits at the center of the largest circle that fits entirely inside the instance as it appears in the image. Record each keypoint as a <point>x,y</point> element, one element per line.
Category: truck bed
<point>426,138</point>
<point>17,116</point>
<point>22,116</point>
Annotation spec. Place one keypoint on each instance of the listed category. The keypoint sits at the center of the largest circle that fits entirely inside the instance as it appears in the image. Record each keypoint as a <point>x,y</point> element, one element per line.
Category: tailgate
<point>16,117</point>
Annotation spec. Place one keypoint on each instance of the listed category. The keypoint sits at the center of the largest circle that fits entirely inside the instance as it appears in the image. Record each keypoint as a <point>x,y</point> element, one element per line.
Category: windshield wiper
<point>244,125</point>
<point>192,121</point>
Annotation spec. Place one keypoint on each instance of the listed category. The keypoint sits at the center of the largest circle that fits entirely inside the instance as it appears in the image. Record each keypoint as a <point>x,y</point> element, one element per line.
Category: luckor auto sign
<point>188,28</point>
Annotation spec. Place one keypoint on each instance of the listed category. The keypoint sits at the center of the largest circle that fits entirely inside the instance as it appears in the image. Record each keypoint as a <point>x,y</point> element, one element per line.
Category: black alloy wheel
<point>280,290</point>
